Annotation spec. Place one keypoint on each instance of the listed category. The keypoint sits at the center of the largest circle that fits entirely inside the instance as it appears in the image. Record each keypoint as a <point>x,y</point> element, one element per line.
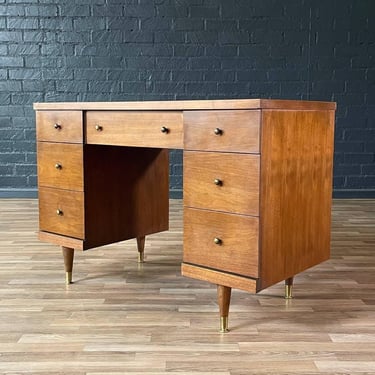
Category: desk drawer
<point>222,181</point>
<point>62,212</point>
<point>160,129</point>
<point>221,241</point>
<point>59,126</point>
<point>232,131</point>
<point>60,165</point>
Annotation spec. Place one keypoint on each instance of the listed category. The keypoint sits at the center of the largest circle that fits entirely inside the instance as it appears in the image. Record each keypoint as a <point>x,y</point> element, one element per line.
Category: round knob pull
<point>218,241</point>
<point>59,212</point>
<point>57,126</point>
<point>58,166</point>
<point>218,131</point>
<point>218,182</point>
<point>98,128</point>
<point>164,130</point>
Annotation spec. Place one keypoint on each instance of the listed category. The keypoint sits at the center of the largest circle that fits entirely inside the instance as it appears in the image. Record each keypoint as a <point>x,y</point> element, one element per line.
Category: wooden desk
<point>257,183</point>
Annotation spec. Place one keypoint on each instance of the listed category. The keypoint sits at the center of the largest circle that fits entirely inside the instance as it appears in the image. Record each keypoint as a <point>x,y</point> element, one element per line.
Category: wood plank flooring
<point>122,318</point>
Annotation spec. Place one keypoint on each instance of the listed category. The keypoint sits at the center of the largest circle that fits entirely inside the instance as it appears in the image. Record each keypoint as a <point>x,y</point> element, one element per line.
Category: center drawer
<point>160,129</point>
<point>221,241</point>
<point>60,165</point>
<point>222,181</point>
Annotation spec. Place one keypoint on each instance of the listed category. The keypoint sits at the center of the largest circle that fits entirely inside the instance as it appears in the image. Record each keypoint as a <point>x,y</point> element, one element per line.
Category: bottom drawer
<point>62,212</point>
<point>221,241</point>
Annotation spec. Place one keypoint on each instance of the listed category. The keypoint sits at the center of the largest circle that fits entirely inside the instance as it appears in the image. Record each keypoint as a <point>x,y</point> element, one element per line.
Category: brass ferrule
<point>288,291</point>
<point>141,256</point>
<point>224,324</point>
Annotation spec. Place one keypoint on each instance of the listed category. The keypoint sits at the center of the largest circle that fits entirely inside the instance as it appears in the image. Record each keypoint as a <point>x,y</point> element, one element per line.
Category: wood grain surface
<point>60,165</point>
<point>238,131</point>
<point>134,128</point>
<point>188,105</point>
<point>62,212</point>
<point>236,189</point>
<point>296,192</point>
<point>59,126</point>
<point>120,317</point>
<point>236,236</point>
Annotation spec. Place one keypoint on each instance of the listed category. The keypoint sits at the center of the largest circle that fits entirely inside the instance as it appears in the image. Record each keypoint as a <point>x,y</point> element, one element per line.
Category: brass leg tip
<point>288,292</point>
<point>141,257</point>
<point>224,324</point>
<point>68,278</point>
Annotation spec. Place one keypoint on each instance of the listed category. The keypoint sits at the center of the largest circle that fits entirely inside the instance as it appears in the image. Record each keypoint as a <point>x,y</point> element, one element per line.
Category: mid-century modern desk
<point>257,183</point>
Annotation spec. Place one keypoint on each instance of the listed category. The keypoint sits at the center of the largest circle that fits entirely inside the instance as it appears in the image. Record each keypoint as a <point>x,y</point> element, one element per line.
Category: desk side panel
<point>296,192</point>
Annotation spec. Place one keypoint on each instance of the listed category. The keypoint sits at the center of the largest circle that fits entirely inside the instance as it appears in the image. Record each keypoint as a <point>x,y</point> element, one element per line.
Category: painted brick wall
<point>101,50</point>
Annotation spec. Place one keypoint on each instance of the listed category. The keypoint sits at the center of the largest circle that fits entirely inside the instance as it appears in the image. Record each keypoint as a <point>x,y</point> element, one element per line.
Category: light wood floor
<point>119,318</point>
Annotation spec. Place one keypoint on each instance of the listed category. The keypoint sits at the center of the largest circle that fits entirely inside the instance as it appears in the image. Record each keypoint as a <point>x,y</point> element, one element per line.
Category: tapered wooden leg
<point>68,254</point>
<point>288,288</point>
<point>141,249</point>
<point>223,295</point>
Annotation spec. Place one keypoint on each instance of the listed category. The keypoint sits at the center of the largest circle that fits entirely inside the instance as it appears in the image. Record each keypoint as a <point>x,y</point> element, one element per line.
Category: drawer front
<point>61,212</point>
<point>140,129</point>
<point>60,165</point>
<point>221,241</point>
<point>232,131</point>
<point>222,181</point>
<point>59,126</point>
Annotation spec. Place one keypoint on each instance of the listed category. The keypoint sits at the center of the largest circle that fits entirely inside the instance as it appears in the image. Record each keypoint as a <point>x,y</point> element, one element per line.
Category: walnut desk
<point>257,183</point>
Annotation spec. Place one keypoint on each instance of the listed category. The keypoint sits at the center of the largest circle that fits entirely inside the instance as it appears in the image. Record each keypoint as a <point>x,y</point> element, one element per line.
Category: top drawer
<point>231,131</point>
<point>161,129</point>
<point>59,126</point>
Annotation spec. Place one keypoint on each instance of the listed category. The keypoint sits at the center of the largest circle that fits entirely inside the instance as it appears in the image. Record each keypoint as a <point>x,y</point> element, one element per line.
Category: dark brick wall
<point>85,50</point>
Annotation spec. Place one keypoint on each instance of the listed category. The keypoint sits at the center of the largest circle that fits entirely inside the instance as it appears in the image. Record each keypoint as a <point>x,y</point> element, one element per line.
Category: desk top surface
<point>178,105</point>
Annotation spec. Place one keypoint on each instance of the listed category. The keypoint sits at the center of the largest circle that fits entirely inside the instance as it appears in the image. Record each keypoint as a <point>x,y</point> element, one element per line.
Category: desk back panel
<point>127,192</point>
